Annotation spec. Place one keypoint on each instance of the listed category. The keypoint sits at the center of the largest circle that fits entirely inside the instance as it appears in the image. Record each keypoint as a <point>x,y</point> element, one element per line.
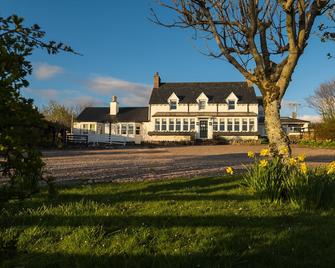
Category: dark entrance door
<point>203,129</point>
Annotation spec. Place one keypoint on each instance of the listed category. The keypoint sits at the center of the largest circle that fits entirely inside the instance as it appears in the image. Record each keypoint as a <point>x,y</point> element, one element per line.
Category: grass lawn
<point>201,222</point>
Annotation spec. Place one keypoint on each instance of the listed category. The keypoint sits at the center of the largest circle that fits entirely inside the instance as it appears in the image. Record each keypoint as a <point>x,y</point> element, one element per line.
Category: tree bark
<point>278,140</point>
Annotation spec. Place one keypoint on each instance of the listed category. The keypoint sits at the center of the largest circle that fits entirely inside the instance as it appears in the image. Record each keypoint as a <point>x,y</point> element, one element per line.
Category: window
<point>92,127</point>
<point>244,124</point>
<point>222,124</point>
<point>202,105</point>
<point>231,105</point>
<point>171,125</point>
<point>157,125</point>
<point>118,130</point>
<point>124,129</point>
<point>85,128</point>
<point>185,124</point>
<point>163,124</point>
<point>230,125</point>
<point>236,124</point>
<point>192,124</point>
<point>251,125</point>
<point>178,125</point>
<point>215,125</point>
<point>130,129</point>
<point>173,105</point>
<point>100,129</point>
<point>138,130</point>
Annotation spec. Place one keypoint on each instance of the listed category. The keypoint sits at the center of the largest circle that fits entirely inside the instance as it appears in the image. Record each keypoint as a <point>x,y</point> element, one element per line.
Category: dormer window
<point>231,105</point>
<point>232,100</point>
<point>202,104</point>
<point>173,105</point>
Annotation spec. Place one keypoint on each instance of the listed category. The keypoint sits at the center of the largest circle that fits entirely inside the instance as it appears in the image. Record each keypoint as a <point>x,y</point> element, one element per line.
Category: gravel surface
<point>157,163</point>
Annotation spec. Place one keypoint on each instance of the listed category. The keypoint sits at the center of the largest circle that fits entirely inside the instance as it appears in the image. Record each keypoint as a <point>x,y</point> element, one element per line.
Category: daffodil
<point>263,163</point>
<point>303,168</point>
<point>230,170</point>
<point>292,161</point>
<point>331,168</point>
<point>301,158</point>
<point>264,152</point>
<point>251,154</point>
<point>283,150</point>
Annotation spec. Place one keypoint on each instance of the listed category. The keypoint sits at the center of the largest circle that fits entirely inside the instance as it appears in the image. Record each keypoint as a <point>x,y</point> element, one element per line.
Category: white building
<point>177,112</point>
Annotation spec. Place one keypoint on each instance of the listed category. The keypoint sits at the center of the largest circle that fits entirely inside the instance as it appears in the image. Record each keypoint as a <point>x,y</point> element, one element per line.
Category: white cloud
<point>45,71</point>
<point>133,94</point>
<point>312,118</point>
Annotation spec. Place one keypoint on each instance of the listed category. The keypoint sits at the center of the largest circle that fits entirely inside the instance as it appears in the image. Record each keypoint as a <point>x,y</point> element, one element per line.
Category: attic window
<point>231,105</point>
<point>173,105</point>
<point>202,105</point>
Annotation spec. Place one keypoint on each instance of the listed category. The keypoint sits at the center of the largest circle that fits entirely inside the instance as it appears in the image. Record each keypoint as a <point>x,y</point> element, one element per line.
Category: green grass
<point>201,222</point>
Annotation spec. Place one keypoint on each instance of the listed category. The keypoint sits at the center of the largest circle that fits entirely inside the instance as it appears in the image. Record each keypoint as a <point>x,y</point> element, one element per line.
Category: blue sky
<point>122,49</point>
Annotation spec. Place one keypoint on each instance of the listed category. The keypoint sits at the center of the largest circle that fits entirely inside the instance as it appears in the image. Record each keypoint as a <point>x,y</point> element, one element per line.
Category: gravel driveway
<point>153,163</point>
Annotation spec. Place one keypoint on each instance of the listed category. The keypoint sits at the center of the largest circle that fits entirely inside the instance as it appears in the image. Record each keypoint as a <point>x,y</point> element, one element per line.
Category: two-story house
<point>177,112</point>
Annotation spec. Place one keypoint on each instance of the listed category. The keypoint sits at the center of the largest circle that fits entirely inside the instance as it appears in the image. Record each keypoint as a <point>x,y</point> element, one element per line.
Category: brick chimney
<point>157,80</point>
<point>114,106</point>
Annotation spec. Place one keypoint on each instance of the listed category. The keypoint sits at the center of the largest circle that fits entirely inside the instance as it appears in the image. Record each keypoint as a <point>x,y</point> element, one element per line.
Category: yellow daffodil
<point>331,168</point>
<point>230,170</point>
<point>303,168</point>
<point>292,161</point>
<point>251,154</point>
<point>301,158</point>
<point>264,152</point>
<point>283,150</point>
<point>263,163</point>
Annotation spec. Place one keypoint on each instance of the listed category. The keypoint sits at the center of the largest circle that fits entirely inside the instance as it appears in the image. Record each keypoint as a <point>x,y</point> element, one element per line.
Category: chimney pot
<point>157,80</point>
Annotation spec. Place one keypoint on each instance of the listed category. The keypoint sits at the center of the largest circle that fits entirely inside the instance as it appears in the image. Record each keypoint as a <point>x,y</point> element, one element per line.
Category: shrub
<point>280,179</point>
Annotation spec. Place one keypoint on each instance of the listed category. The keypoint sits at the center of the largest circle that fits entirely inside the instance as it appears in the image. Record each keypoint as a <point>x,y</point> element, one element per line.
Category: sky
<point>122,49</point>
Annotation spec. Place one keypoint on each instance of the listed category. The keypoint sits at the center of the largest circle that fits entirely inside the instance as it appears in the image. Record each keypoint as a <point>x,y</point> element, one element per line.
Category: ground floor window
<point>244,124</point>
<point>164,125</point>
<point>171,125</point>
<point>215,125</point>
<point>185,125</point>
<point>124,129</point>
<point>251,125</point>
<point>230,125</point>
<point>131,129</point>
<point>192,125</point>
<point>178,125</point>
<point>157,125</point>
<point>138,130</point>
<point>222,124</point>
<point>85,128</point>
<point>174,124</point>
<point>236,124</point>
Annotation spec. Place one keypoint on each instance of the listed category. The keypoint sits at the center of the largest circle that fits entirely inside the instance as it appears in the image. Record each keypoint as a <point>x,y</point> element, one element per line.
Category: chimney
<point>114,106</point>
<point>157,80</point>
<point>294,115</point>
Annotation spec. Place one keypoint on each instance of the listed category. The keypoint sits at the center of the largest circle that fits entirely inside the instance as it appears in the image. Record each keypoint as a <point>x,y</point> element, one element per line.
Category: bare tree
<point>323,101</point>
<point>268,36</point>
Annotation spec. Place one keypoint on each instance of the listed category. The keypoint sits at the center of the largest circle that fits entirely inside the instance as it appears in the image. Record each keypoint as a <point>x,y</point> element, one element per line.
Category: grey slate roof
<point>126,114</point>
<point>217,92</point>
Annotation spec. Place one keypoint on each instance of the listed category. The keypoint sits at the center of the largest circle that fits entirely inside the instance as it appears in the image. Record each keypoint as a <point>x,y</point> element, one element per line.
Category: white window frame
<point>173,105</point>
<point>233,103</point>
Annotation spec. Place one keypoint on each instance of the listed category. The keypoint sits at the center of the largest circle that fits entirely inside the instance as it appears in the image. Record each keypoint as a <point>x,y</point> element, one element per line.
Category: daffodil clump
<point>280,179</point>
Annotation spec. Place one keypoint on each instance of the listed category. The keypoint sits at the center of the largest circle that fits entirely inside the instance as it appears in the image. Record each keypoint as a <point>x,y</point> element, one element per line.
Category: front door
<point>203,129</point>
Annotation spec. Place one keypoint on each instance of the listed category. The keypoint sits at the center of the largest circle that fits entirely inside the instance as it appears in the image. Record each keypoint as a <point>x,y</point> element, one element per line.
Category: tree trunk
<point>278,140</point>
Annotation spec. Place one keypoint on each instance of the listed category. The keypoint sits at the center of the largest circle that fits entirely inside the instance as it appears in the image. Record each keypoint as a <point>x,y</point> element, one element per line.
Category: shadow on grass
<point>297,241</point>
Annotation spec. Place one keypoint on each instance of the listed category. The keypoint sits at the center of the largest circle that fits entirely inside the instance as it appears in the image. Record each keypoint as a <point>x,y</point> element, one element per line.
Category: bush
<point>281,179</point>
